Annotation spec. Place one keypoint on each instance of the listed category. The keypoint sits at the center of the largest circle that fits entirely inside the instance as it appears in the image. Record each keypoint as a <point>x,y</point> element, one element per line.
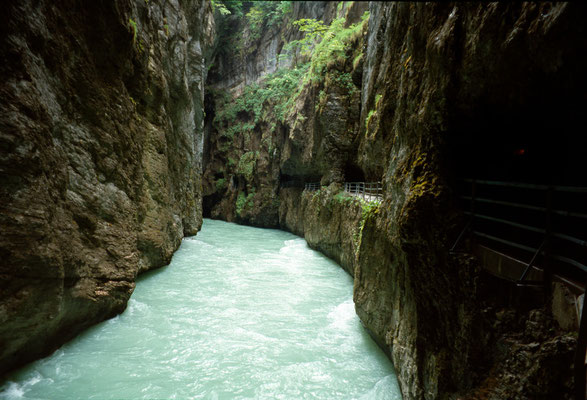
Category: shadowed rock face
<point>101,110</point>
<point>437,68</point>
<point>434,80</point>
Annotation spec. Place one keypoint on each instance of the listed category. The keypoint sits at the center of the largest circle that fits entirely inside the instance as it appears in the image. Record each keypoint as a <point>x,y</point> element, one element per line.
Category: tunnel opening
<point>539,143</point>
<point>353,173</point>
<point>527,159</point>
<point>286,181</point>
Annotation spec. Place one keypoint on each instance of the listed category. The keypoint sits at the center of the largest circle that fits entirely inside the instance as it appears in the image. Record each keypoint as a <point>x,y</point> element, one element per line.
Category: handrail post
<point>473,194</point>
<point>548,245</point>
<point>579,362</point>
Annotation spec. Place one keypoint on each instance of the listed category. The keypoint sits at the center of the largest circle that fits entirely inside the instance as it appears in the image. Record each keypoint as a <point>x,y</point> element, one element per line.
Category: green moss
<point>368,210</point>
<point>243,202</point>
<point>276,92</point>
<point>133,25</point>
<point>357,60</point>
<point>220,184</point>
<point>372,113</point>
<point>325,43</point>
<point>368,119</point>
<point>247,163</point>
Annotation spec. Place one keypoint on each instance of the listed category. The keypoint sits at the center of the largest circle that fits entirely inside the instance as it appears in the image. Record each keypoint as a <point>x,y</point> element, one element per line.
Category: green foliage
<point>139,44</point>
<point>276,90</point>
<point>325,44</point>
<point>237,128</point>
<point>247,163</point>
<point>314,31</point>
<point>264,14</point>
<point>368,119</point>
<point>243,201</point>
<point>357,60</point>
<point>345,81</point>
<point>133,25</point>
<point>257,15</point>
<point>228,7</point>
<point>343,198</point>
<point>373,112</point>
<point>220,184</point>
<point>368,210</point>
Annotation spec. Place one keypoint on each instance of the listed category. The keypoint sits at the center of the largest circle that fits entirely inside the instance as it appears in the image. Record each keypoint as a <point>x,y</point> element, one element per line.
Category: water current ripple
<point>240,313</point>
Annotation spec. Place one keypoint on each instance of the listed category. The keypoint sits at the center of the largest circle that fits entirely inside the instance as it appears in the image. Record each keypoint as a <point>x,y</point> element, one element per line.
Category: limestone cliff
<point>101,115</point>
<point>252,149</point>
<point>424,94</point>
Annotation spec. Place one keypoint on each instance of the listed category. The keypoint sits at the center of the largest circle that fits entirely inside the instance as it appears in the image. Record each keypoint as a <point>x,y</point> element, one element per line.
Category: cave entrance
<point>530,159</point>
<point>535,144</point>
<point>352,173</point>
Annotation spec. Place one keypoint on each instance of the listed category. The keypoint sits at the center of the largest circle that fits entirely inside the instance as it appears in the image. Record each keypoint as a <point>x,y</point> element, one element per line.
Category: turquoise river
<point>240,313</point>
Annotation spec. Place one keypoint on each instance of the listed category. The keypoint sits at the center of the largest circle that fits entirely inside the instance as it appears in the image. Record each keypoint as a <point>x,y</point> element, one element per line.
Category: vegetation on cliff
<point>374,99</point>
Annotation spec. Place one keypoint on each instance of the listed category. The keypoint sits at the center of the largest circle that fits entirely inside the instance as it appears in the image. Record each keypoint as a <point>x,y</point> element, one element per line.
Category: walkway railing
<point>312,186</point>
<point>369,191</point>
<point>543,224</point>
<point>540,220</point>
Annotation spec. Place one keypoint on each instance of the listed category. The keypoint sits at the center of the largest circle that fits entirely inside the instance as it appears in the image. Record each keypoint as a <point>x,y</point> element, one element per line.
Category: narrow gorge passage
<point>239,313</point>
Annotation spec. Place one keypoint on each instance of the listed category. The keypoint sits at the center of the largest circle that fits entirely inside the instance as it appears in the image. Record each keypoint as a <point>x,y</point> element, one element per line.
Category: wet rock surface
<point>101,112</point>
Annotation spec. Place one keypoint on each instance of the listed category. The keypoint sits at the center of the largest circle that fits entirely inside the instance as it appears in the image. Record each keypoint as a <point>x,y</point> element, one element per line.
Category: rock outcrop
<point>101,116</point>
<point>423,86</point>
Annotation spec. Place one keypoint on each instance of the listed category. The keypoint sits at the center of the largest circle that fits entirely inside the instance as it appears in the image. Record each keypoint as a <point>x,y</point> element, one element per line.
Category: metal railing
<point>544,223</point>
<point>371,191</point>
<point>312,186</point>
<point>535,223</point>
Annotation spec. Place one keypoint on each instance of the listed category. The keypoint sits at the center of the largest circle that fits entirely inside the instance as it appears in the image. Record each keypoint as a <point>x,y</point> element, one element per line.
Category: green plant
<point>133,25</point>
<point>368,119</point>
<point>220,184</point>
<point>368,210</point>
<point>345,81</point>
<point>373,112</point>
<point>270,100</point>
<point>325,43</point>
<point>247,163</point>
<point>243,202</point>
<point>357,60</point>
<point>222,9</point>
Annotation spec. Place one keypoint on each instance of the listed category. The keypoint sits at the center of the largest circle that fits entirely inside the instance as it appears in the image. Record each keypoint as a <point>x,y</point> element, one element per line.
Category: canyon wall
<point>101,116</point>
<point>419,98</point>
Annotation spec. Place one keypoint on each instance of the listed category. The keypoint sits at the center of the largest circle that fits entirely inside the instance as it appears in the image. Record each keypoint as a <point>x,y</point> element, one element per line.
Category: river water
<point>240,313</point>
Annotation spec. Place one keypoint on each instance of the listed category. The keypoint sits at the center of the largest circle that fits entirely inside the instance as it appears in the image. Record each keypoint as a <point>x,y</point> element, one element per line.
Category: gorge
<point>125,122</point>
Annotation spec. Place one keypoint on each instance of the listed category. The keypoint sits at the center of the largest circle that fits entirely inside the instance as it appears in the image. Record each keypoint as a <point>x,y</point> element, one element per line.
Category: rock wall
<point>305,145</point>
<point>427,69</point>
<point>434,82</point>
<point>101,115</point>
